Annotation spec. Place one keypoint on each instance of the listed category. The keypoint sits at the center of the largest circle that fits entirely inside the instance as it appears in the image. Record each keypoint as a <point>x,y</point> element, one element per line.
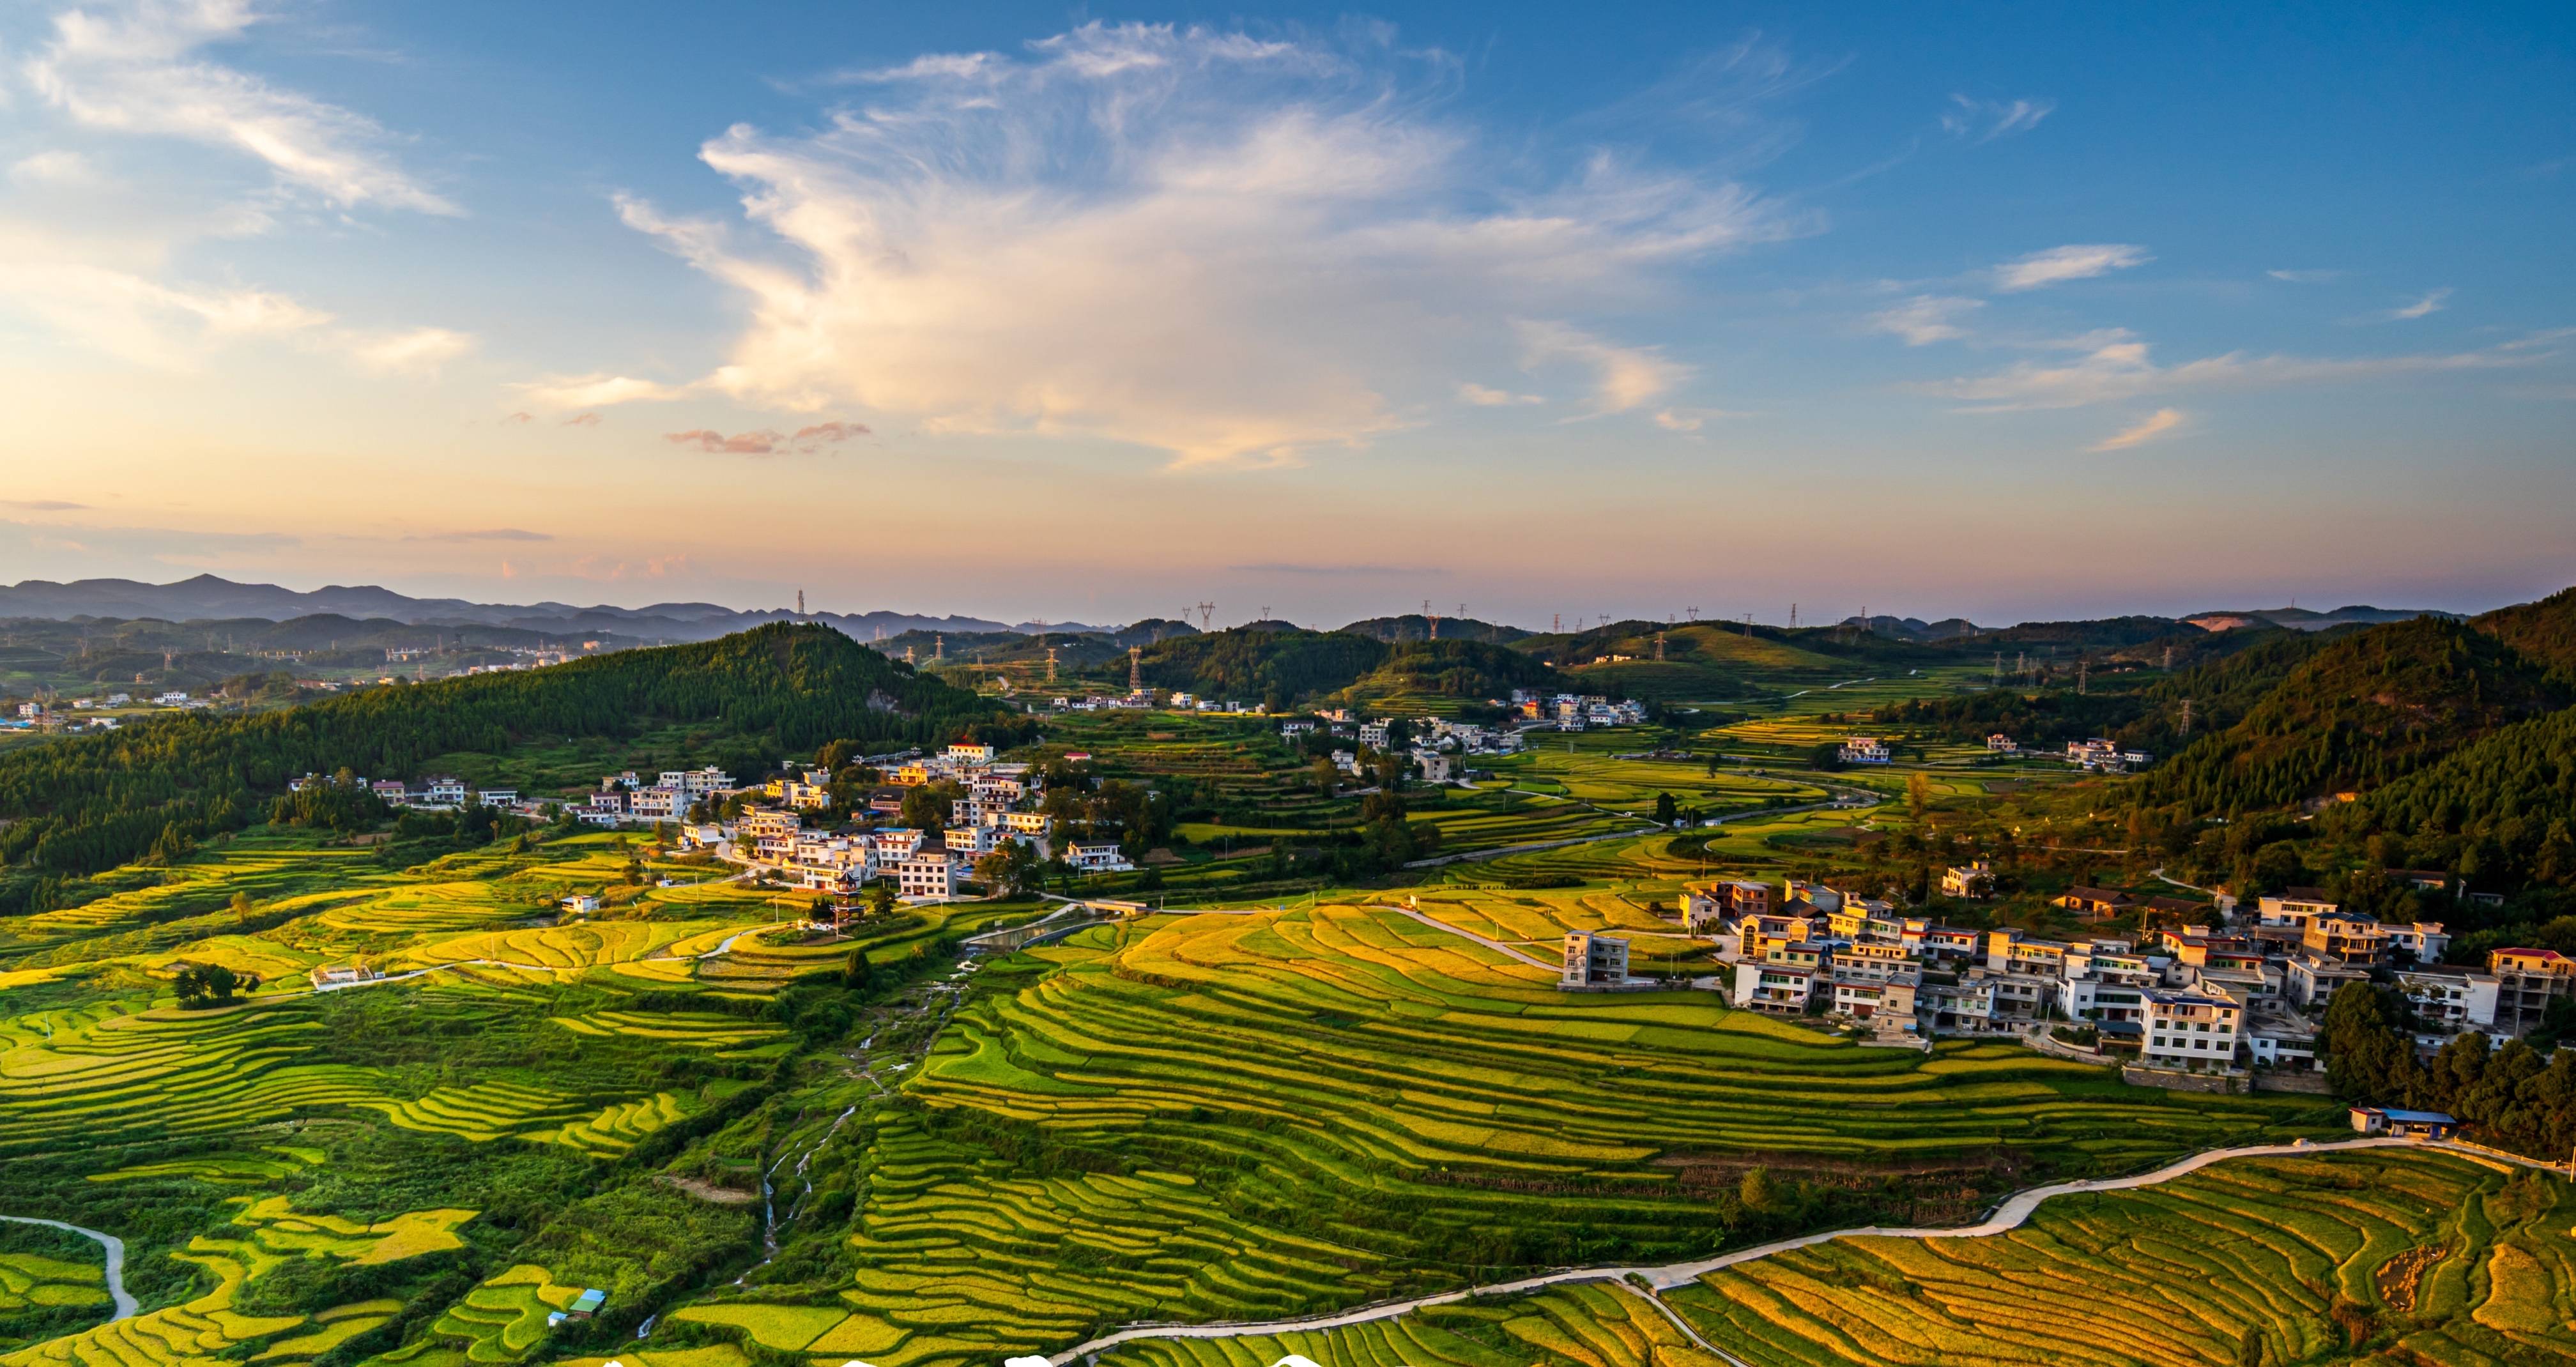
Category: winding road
<point>126,1305</point>
<point>2012,1213</point>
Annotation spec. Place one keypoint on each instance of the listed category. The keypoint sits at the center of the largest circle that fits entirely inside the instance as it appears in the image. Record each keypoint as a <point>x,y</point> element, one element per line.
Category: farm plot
<point>2430,1257</point>
<point>561,949</point>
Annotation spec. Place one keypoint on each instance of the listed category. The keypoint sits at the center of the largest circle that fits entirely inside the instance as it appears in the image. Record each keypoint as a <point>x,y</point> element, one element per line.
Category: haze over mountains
<point>208,597</point>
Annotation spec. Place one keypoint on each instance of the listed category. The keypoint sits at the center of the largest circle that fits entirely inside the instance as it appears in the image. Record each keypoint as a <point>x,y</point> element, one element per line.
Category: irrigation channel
<point>126,1305</point>
<point>2011,1213</point>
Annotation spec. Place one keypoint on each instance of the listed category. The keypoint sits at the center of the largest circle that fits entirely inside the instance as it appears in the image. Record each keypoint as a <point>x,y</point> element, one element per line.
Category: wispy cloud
<point>1624,377</point>
<point>2117,369</point>
<point>597,391</point>
<point>2162,422</point>
<point>2309,277</point>
<point>40,505</point>
<point>520,418</point>
<point>1987,120</point>
<point>1483,397</point>
<point>1689,420</point>
<point>487,534</point>
<point>134,68</point>
<point>804,441</point>
<point>1221,247</point>
<point>1925,318</point>
<point>419,351</point>
<point>1354,570</point>
<point>2058,265</point>
<point>580,420</point>
<point>2431,303</point>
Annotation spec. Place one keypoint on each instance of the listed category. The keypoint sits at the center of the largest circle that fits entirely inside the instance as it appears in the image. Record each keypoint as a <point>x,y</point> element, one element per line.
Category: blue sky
<point>2005,311</point>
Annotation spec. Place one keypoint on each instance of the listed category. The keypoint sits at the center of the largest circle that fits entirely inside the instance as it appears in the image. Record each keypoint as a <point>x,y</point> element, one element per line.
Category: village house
<point>1592,962</point>
<point>1864,750</point>
<point>2191,1031</point>
<point>1968,882</point>
<point>2527,981</point>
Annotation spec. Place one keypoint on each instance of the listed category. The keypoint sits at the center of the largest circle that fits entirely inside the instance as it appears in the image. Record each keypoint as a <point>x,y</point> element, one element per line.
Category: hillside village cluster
<point>2187,998</point>
<point>767,835</point>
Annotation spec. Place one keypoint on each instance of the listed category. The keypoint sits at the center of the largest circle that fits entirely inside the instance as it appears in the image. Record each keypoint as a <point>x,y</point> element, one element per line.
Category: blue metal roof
<point>2417,1117</point>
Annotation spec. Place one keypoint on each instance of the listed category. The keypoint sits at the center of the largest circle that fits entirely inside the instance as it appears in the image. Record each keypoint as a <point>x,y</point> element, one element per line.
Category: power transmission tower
<point>1050,662</point>
<point>1748,625</point>
<point>1207,614</point>
<point>2186,716</point>
<point>1265,612</point>
<point>1694,614</point>
<point>1432,618</point>
<point>2083,674</point>
<point>1135,670</point>
<point>800,602</point>
<point>907,655</point>
<point>1999,666</point>
<point>1659,645</point>
<point>1555,622</point>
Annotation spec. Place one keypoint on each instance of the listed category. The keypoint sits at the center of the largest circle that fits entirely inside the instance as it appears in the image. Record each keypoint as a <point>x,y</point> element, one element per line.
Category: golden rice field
<point>1589,1324</point>
<point>31,1279</point>
<point>168,1072</point>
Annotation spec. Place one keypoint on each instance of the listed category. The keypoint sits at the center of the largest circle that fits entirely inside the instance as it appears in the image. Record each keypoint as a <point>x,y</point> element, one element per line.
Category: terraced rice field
<point>2188,1272</point>
<point>1591,1325</point>
<point>498,1321</point>
<point>562,949</point>
<point>686,1029</point>
<point>169,1072</point>
<point>1321,1108</point>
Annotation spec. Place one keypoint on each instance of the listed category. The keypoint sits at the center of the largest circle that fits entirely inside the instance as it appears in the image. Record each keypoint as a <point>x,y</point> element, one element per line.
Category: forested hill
<point>2545,630</point>
<point>82,805</point>
<point>2499,811</point>
<point>2361,712</point>
<point>1283,667</point>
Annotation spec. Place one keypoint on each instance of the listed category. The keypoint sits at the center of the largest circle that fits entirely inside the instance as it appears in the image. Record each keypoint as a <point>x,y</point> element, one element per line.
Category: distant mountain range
<point>209,598</point>
<point>2308,619</point>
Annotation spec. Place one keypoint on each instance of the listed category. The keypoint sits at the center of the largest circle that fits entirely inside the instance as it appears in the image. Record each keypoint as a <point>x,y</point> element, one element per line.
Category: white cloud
<point>2308,277</point>
<point>2430,304</point>
<point>132,69</point>
<point>419,351</point>
<point>2162,422</point>
<point>1925,318</point>
<point>1219,247</point>
<point>1624,377</point>
<point>1483,397</point>
<point>1992,119</point>
<point>2117,369</point>
<point>2060,264</point>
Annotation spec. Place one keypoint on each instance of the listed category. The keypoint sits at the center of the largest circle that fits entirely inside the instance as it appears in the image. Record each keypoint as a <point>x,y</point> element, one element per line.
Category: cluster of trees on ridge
<point>86,804</point>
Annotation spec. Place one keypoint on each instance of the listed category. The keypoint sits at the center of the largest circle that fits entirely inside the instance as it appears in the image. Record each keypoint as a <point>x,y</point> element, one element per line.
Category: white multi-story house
<point>894,844</point>
<point>1783,988</point>
<point>2191,1031</point>
<point>966,754</point>
<point>1098,856</point>
<point>926,873</point>
<point>658,803</point>
<point>2448,1002</point>
<point>2294,908</point>
<point>1373,734</point>
<point>1864,750</point>
<point>443,790</point>
<point>969,841</point>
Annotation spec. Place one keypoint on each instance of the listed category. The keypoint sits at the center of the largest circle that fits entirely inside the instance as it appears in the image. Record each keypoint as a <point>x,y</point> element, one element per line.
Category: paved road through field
<point>126,1305</point>
<point>2012,1213</point>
